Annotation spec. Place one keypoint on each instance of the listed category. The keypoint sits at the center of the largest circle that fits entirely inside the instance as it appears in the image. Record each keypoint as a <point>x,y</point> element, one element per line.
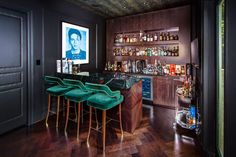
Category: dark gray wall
<point>208,63</point>
<point>230,77</point>
<point>44,43</point>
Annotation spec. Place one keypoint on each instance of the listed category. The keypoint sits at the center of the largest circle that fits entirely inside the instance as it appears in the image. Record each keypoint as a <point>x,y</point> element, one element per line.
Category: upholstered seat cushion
<point>57,90</point>
<point>104,102</point>
<point>77,95</point>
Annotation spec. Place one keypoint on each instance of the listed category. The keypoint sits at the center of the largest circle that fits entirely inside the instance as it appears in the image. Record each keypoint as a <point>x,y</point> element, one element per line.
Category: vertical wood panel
<point>175,17</point>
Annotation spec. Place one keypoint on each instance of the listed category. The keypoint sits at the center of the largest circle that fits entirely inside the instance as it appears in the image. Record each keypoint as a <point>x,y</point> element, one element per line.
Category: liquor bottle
<point>134,38</point>
<point>168,36</point>
<point>173,51</point>
<point>165,51</point>
<point>127,39</point>
<point>151,38</point>
<point>177,51</point>
<point>158,51</point>
<point>176,37</point>
<point>148,38</point>
<point>120,38</point>
<point>164,37</point>
<point>169,51</point>
<point>155,37</point>
<point>114,52</point>
<point>161,37</point>
<point>116,39</point>
<point>106,67</point>
<point>124,38</point>
<point>122,52</point>
<point>171,37</point>
<point>144,37</point>
<point>162,52</point>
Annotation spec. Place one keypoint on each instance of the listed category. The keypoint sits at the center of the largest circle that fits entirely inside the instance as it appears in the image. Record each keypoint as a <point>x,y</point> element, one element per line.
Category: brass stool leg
<point>58,109</point>
<point>67,113</point>
<point>90,122</point>
<point>63,106</point>
<point>49,103</point>
<point>82,109</point>
<point>121,128</point>
<point>75,111</point>
<point>104,129</point>
<point>96,118</point>
<point>78,121</point>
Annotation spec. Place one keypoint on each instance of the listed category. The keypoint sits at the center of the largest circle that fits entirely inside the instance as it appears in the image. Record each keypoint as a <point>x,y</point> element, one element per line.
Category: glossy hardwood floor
<point>154,138</point>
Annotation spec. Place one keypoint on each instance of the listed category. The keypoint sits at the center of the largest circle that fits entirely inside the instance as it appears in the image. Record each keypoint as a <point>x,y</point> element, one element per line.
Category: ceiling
<point>117,8</point>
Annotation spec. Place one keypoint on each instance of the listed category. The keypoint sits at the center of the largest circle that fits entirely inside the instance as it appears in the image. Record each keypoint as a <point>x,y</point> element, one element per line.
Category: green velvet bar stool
<point>103,99</point>
<point>57,89</point>
<point>78,95</point>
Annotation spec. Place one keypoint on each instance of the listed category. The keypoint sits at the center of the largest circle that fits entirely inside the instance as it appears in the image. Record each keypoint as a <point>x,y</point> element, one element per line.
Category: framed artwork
<point>75,43</point>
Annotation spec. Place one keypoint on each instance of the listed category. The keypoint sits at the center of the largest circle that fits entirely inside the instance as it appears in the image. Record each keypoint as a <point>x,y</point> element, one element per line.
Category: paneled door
<point>13,69</point>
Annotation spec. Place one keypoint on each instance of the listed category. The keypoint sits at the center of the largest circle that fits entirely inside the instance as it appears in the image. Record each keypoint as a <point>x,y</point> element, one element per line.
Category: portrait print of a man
<point>75,43</point>
<point>75,52</point>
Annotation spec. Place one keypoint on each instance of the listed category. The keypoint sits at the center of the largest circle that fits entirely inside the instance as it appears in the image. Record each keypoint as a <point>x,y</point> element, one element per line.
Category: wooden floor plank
<point>155,137</point>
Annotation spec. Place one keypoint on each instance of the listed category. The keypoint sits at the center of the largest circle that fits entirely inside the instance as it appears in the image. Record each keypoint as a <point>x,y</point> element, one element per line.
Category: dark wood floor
<point>154,138</point>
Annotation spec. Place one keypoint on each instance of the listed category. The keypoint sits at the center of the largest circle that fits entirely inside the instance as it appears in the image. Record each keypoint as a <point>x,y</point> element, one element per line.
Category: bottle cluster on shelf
<point>146,67</point>
<point>170,50</point>
<point>145,37</point>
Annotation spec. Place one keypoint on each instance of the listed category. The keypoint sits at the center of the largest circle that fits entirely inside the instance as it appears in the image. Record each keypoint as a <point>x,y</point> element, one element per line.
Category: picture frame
<point>75,43</point>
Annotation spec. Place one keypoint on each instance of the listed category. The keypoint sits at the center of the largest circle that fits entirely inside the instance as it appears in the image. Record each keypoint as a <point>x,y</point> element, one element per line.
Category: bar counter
<point>130,87</point>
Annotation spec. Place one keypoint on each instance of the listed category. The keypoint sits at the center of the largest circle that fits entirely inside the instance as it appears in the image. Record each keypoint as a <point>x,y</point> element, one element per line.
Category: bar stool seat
<point>103,99</point>
<point>104,102</point>
<point>77,95</point>
<point>57,89</point>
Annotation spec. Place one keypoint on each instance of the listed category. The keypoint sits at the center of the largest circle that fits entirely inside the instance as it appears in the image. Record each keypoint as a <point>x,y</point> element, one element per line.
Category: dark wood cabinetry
<point>175,84</point>
<point>151,23</point>
<point>164,90</point>
<point>161,90</point>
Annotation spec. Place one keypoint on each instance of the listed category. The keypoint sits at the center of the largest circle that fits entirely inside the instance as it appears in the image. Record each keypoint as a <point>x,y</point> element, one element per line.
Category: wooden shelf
<point>170,42</point>
<point>144,56</point>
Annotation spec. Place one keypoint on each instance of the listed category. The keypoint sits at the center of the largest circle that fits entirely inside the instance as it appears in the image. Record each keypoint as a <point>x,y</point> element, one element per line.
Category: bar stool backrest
<point>52,80</point>
<point>102,88</point>
<point>75,84</point>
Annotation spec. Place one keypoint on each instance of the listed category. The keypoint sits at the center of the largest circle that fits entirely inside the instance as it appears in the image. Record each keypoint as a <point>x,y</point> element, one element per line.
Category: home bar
<point>146,78</point>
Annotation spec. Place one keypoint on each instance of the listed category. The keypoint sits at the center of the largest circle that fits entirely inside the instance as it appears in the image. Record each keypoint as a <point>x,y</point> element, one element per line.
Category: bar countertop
<point>113,80</point>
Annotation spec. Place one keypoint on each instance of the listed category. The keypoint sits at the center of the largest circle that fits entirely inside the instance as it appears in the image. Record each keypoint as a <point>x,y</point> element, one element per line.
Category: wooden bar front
<point>132,107</point>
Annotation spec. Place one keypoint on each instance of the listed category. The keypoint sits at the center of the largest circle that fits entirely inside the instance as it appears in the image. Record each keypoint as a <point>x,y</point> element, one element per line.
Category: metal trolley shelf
<point>182,117</point>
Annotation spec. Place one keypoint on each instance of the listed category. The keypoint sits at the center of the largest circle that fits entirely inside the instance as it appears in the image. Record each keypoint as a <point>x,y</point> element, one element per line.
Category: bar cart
<point>187,115</point>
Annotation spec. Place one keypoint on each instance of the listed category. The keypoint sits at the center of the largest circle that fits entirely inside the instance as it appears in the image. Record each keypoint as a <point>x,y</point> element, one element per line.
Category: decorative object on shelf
<point>141,66</point>
<point>145,36</point>
<point>58,66</point>
<point>75,68</point>
<point>170,50</point>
